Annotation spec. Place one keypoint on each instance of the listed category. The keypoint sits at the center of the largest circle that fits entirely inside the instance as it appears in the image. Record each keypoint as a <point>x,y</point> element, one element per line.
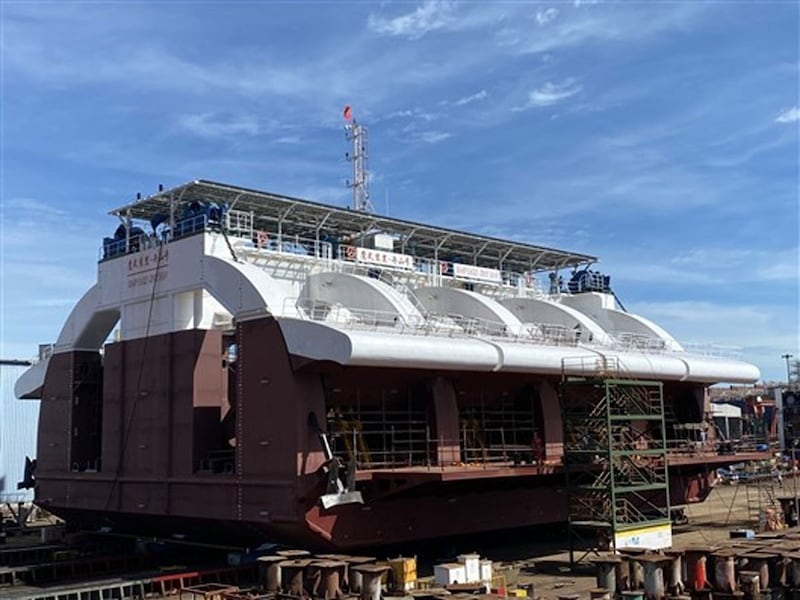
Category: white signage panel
<point>474,272</point>
<point>384,258</point>
<point>654,537</point>
<point>157,269</point>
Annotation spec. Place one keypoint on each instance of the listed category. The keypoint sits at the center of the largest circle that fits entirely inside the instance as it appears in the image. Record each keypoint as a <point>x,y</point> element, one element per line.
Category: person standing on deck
<point>538,450</point>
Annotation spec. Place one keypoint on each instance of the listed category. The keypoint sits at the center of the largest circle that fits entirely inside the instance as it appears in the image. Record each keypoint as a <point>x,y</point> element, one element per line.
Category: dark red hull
<point>429,511</point>
<point>132,452</point>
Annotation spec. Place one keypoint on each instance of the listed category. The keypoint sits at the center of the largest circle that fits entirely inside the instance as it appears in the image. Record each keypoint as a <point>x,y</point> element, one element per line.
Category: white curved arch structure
<point>195,283</point>
<point>535,310</point>
<point>87,325</point>
<point>470,305</point>
<point>191,294</point>
<point>245,290</point>
<point>601,308</point>
<point>356,292</point>
<point>318,341</point>
<point>29,385</point>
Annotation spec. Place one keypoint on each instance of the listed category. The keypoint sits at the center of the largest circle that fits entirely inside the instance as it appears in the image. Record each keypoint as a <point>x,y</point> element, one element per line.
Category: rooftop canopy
<point>311,220</point>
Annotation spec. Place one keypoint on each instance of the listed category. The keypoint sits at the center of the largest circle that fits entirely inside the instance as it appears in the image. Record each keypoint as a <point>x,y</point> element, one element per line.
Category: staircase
<point>405,292</point>
<point>615,452</point>
<point>763,507</point>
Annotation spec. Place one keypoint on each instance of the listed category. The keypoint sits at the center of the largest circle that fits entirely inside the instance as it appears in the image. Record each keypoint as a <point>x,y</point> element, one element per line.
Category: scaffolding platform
<point>615,460</point>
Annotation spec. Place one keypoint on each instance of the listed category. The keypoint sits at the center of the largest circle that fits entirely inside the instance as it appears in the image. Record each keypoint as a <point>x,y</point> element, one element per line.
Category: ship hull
<point>145,451</point>
<point>429,511</point>
<point>273,356</point>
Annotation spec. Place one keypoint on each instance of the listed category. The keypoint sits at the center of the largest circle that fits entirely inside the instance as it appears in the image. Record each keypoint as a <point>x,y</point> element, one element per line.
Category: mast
<point>357,134</point>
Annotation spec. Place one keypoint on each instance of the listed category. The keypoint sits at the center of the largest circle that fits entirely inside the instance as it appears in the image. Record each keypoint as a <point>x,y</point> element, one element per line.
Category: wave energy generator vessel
<point>252,366</point>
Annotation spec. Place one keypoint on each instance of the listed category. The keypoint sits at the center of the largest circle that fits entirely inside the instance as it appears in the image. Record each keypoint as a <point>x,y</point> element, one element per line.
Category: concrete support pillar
<point>293,576</point>
<point>269,572</point>
<point>371,580</point>
<point>793,570</point>
<point>725,571</point>
<point>653,566</point>
<point>757,561</point>
<point>777,570</point>
<point>635,566</point>
<point>354,577</point>
<point>331,576</point>
<point>607,567</point>
<point>675,584</point>
<point>751,584</point>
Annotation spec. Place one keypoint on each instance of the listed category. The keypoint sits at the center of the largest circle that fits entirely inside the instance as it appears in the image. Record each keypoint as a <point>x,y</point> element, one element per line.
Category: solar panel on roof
<point>304,218</point>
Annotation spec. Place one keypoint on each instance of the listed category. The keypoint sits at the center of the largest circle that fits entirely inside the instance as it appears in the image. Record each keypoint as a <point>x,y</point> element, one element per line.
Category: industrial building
<point>18,423</point>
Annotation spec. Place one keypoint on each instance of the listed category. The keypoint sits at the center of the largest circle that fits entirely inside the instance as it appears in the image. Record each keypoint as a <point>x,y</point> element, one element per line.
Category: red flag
<point>348,113</point>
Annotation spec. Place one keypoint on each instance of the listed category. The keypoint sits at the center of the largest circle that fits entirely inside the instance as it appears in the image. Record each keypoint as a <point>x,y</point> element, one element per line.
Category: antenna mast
<point>357,134</point>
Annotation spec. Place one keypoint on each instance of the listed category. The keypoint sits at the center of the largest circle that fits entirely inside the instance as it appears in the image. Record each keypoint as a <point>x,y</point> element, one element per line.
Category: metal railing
<point>413,445</point>
<point>626,340</point>
<point>112,248</point>
<point>395,439</point>
<point>711,350</point>
<point>400,286</point>
<point>239,223</point>
<point>295,247</point>
<point>268,249</point>
<point>449,325</point>
<point>427,271</point>
<point>189,226</point>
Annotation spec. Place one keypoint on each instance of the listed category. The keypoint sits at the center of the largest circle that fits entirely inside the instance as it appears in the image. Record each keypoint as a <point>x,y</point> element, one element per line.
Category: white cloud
<point>434,137</point>
<point>472,98</point>
<point>429,16</point>
<point>415,113</point>
<point>545,16</point>
<point>330,194</point>
<point>789,116</point>
<point>551,93</point>
<point>704,312</point>
<point>762,332</point>
<point>743,156</point>
<point>288,139</point>
<point>741,264</point>
<point>213,125</point>
<point>32,206</point>
<point>717,266</point>
<point>45,259</point>
<point>615,22</point>
<point>52,302</point>
<point>398,114</point>
<point>314,84</point>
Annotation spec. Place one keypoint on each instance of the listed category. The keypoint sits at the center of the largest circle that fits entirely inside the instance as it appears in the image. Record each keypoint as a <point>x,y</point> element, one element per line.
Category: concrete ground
<point>540,557</point>
<point>547,565</point>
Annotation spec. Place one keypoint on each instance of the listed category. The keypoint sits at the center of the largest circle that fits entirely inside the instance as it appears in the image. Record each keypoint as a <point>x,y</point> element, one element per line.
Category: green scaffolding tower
<point>615,458</point>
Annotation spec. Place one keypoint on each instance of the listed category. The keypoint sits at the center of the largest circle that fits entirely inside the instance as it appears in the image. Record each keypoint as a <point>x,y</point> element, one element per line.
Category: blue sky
<point>660,136</point>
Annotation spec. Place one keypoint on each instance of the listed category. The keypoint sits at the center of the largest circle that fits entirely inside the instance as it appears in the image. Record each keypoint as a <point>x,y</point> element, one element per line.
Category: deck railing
<point>401,271</point>
<point>449,325</point>
<point>711,350</point>
<point>295,246</point>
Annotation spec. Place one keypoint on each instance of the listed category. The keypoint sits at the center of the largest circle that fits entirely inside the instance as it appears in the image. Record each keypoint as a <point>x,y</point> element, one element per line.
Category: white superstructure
<point>360,289</point>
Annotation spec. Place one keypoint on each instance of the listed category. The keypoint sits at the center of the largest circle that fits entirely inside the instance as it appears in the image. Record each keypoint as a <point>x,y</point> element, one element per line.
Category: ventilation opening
<point>87,413</point>
<point>214,427</point>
